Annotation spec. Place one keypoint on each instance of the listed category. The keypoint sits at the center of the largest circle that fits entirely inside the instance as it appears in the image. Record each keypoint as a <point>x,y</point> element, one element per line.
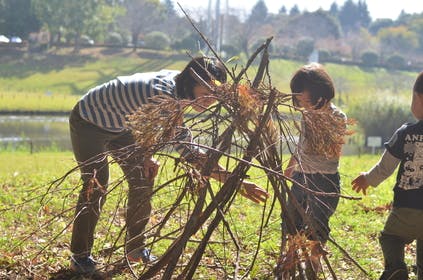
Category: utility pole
<point>217,32</point>
<point>215,24</point>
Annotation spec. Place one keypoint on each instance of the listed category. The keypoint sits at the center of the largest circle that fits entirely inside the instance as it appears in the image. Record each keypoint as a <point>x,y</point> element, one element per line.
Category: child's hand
<point>288,172</point>
<point>151,168</point>
<point>360,184</point>
<point>253,192</point>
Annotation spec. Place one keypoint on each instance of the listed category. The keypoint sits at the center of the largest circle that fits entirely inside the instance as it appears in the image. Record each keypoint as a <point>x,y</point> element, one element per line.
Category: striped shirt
<point>107,105</point>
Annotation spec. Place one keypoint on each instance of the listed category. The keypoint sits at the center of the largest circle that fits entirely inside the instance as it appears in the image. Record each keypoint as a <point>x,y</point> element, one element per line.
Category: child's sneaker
<point>139,255</point>
<point>398,274</point>
<point>83,265</point>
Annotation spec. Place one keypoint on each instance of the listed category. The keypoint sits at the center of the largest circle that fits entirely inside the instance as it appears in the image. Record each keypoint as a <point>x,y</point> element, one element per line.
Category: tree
<point>305,47</point>
<point>334,10</point>
<point>398,39</point>
<point>282,10</point>
<point>239,35</point>
<point>170,8</point>
<point>73,16</point>
<point>416,25</point>
<point>76,15</point>
<point>17,18</point>
<point>243,34</point>
<point>373,112</point>
<point>349,16</point>
<point>51,14</point>
<point>319,24</point>
<point>364,15</point>
<point>294,10</point>
<point>369,58</point>
<point>353,16</point>
<point>258,13</point>
<point>156,40</point>
<point>103,23</point>
<point>359,41</point>
<point>379,24</point>
<point>142,16</point>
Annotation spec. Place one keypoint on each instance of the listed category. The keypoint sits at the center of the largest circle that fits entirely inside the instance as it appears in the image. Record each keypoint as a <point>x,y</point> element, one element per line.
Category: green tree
<point>369,58</point>
<point>352,16</point>
<point>104,21</point>
<point>416,25</point>
<point>142,16</point>
<point>334,9</point>
<point>242,35</point>
<point>282,10</point>
<point>305,47</point>
<point>294,10</point>
<point>379,24</point>
<point>258,13</point>
<point>77,15</point>
<point>74,16</point>
<point>17,18</point>
<point>380,117</point>
<point>156,40</point>
<point>364,15</point>
<point>318,24</point>
<point>398,39</point>
<point>50,13</point>
<point>170,8</point>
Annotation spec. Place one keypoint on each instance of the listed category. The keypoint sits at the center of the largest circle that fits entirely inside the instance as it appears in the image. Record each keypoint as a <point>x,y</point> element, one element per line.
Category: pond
<point>41,132</point>
<point>34,132</point>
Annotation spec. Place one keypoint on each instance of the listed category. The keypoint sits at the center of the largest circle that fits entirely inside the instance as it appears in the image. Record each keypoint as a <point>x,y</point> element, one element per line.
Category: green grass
<point>54,82</point>
<point>23,176</point>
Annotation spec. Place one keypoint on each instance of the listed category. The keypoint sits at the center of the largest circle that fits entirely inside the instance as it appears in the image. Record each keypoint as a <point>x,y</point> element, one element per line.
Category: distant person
<point>405,221</point>
<point>98,126</point>
<point>313,166</point>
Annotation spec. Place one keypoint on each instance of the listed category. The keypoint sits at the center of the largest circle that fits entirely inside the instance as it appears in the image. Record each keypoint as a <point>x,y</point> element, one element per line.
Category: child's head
<point>314,81</point>
<point>208,68</point>
<point>417,100</point>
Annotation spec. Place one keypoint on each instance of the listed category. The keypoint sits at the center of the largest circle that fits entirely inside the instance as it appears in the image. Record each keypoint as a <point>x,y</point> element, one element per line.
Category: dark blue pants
<point>317,207</point>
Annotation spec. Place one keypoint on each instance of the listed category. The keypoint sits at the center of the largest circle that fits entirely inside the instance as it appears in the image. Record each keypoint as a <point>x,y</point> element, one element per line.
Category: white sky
<point>377,8</point>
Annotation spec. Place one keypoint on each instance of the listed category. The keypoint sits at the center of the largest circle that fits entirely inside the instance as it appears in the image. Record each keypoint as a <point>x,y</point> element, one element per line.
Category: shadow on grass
<point>67,274</point>
<point>25,65</point>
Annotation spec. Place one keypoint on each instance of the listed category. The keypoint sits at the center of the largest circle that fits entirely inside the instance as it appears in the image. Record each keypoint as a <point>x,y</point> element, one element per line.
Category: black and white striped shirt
<point>107,105</point>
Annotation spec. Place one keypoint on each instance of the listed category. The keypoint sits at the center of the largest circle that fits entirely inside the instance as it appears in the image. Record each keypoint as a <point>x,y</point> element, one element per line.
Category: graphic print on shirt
<point>412,176</point>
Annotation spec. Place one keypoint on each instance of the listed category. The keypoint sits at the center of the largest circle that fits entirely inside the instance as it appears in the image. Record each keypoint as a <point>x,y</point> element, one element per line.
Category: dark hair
<point>314,79</point>
<point>208,68</point>
<point>418,85</point>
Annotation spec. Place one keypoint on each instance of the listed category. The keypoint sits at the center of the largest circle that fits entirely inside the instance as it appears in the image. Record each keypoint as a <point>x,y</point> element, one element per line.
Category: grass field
<point>36,217</point>
<point>54,82</point>
<point>35,236</point>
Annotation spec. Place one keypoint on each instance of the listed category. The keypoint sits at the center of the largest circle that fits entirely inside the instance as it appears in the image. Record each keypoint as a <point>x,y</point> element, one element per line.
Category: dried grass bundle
<point>300,249</point>
<point>325,131</point>
<point>249,102</point>
<point>154,124</point>
<point>246,103</point>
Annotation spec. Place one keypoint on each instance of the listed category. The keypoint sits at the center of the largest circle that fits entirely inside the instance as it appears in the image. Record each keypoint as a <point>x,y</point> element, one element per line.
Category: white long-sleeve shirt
<point>382,170</point>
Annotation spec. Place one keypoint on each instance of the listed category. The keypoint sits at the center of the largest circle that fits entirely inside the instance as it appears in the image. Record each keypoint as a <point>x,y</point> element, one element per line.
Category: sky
<point>377,8</point>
